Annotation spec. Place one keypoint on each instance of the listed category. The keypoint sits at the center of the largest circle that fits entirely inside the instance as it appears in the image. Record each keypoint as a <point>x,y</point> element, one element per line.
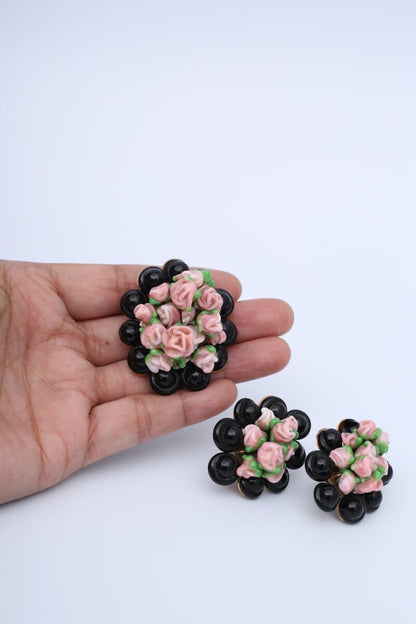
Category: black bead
<point>246,412</point>
<point>222,468</point>
<point>165,382</point>
<point>329,439</point>
<point>228,435</point>
<point>326,496</point>
<point>174,267</point>
<point>151,277</point>
<point>373,500</point>
<point>222,356</point>
<point>280,485</point>
<point>252,487</point>
<point>389,476</point>
<point>351,508</point>
<point>319,466</point>
<point>298,458</point>
<point>304,422</point>
<point>130,300</point>
<point>347,425</point>
<point>129,333</point>
<point>278,406</point>
<point>193,378</point>
<point>227,302</point>
<point>230,331</point>
<point>136,360</point>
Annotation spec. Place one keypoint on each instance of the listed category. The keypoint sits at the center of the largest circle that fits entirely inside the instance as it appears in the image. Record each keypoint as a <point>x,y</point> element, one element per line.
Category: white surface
<point>275,140</point>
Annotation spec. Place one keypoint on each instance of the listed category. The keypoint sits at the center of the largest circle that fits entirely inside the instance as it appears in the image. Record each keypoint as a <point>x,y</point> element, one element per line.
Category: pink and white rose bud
<point>275,478</point>
<point>217,338</point>
<point>182,293</point>
<point>363,467</point>
<point>209,323</point>
<point>198,337</point>
<point>266,417</point>
<point>205,360</point>
<point>349,439</point>
<point>341,457</point>
<point>367,450</point>
<point>381,462</point>
<point>245,471</point>
<point>160,293</point>
<point>194,275</point>
<point>383,440</point>
<point>371,485</point>
<point>151,336</point>
<point>178,341</point>
<point>252,435</point>
<point>209,299</point>
<point>289,453</point>
<point>346,483</point>
<point>366,428</point>
<point>285,430</point>
<point>270,456</point>
<point>156,360</point>
<point>188,316</point>
<point>144,312</point>
<point>168,314</point>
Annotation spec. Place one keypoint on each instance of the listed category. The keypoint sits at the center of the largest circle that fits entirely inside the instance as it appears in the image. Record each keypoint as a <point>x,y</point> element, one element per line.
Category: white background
<point>275,140</point>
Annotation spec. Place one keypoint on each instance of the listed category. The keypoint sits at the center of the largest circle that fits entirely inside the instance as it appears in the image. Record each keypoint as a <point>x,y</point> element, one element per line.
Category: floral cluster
<point>359,460</point>
<point>268,443</point>
<point>181,322</point>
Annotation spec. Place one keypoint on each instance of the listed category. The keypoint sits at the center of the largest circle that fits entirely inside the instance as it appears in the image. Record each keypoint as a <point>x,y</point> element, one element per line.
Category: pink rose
<point>178,341</point>
<point>349,439</point>
<point>275,478</point>
<point>156,360</point>
<point>363,467</point>
<point>341,457</point>
<point>151,336</point>
<point>144,312</point>
<point>205,360</point>
<point>209,323</point>
<point>245,471</point>
<point>285,430</point>
<point>371,485</point>
<point>367,450</point>
<point>270,456</point>
<point>366,428</point>
<point>217,338</point>
<point>266,416</point>
<point>160,293</point>
<point>209,299</point>
<point>188,316</point>
<point>194,275</point>
<point>252,435</point>
<point>182,294</point>
<point>382,463</point>
<point>346,483</point>
<point>382,442</point>
<point>289,453</point>
<point>198,337</point>
<point>168,314</point>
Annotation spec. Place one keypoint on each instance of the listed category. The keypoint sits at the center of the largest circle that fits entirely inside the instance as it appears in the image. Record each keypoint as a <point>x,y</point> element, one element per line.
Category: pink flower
<point>245,471</point>
<point>156,360</point>
<point>182,294</point>
<point>289,453</point>
<point>371,485</point>
<point>178,341</point>
<point>209,299</point>
<point>252,435</point>
<point>340,456</point>
<point>346,482</point>
<point>270,456</point>
<point>367,450</point>
<point>205,360</point>
<point>194,275</point>
<point>285,430</point>
<point>349,439</point>
<point>168,314</point>
<point>151,336</point>
<point>382,442</point>
<point>266,416</point>
<point>209,323</point>
<point>366,428</point>
<point>381,462</point>
<point>217,338</point>
<point>160,293</point>
<point>363,467</point>
<point>275,478</point>
<point>198,337</point>
<point>144,312</point>
<point>188,316</point>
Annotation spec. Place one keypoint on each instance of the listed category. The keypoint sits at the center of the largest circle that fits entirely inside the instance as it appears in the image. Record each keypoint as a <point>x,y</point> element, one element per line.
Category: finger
<point>247,360</point>
<point>254,319</point>
<point>94,290</point>
<point>128,421</point>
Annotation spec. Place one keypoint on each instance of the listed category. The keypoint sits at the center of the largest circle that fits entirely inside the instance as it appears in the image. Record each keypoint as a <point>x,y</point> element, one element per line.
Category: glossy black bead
<point>136,360</point>
<point>228,435</point>
<point>222,468</point>
<point>326,496</point>
<point>278,406</point>
<point>222,356</point>
<point>373,501</point>
<point>389,476</point>
<point>129,333</point>
<point>193,378</point>
<point>252,487</point>
<point>130,300</point>
<point>280,485</point>
<point>151,277</point>
<point>165,382</point>
<point>351,508</point>
<point>347,425</point>
<point>227,302</point>
<point>298,458</point>
<point>230,331</point>
<point>174,267</point>
<point>304,422</point>
<point>328,439</point>
<point>246,411</point>
<point>319,466</point>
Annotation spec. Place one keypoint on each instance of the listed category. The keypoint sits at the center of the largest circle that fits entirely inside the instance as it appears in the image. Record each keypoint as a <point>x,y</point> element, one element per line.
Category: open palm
<point>67,396</point>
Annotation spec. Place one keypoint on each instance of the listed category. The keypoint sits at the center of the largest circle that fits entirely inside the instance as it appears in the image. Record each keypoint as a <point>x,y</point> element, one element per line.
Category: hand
<point>67,396</point>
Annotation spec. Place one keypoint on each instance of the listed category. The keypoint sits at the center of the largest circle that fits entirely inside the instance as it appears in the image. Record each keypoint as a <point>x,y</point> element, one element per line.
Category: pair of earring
<point>261,444</point>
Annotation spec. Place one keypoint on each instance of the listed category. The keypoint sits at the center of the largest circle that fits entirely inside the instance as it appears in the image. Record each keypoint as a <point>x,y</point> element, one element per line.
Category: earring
<point>350,468</point>
<point>258,446</point>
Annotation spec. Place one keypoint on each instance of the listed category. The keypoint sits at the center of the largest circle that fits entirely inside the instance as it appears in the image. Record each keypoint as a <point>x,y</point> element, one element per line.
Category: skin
<point>67,396</point>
